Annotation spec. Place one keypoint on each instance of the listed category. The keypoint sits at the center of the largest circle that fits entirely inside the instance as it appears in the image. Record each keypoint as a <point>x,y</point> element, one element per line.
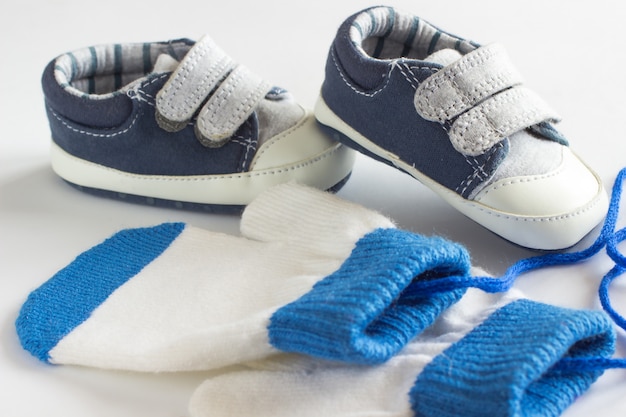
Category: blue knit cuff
<point>365,312</point>
<point>511,364</point>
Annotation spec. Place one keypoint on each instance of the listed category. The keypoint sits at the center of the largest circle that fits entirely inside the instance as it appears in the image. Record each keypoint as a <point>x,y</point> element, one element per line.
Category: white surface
<point>568,51</point>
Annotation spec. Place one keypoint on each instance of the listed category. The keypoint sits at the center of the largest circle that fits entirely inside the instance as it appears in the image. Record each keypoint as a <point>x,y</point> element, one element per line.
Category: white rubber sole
<point>544,232</point>
<point>329,166</point>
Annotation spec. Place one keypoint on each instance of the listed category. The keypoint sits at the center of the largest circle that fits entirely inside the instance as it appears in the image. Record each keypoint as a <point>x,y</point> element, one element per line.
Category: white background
<point>571,52</point>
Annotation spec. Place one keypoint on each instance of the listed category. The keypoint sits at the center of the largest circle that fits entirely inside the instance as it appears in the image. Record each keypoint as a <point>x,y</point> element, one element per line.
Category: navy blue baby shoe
<point>456,116</point>
<point>180,124</point>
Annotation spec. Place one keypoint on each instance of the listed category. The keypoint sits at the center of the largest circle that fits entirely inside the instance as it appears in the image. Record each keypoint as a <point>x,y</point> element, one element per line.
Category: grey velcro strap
<point>199,72</point>
<point>230,106</point>
<point>461,85</point>
<point>510,111</point>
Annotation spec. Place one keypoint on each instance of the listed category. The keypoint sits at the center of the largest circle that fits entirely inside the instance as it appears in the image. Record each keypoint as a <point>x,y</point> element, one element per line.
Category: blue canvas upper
<point>120,131</point>
<point>180,124</point>
<point>375,96</point>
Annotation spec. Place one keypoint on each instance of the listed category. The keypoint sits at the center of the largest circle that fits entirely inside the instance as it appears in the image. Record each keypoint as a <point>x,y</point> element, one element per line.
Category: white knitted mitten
<point>311,274</point>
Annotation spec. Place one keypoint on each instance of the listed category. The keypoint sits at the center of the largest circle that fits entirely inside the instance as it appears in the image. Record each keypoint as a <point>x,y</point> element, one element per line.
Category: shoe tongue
<point>444,56</point>
<point>165,63</point>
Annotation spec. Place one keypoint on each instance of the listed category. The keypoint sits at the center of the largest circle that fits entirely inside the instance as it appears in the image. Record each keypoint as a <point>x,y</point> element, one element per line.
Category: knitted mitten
<point>310,274</point>
<point>488,355</point>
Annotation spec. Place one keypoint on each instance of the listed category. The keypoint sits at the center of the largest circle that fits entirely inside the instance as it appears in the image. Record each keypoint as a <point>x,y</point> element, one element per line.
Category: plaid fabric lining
<point>384,33</point>
<point>100,72</point>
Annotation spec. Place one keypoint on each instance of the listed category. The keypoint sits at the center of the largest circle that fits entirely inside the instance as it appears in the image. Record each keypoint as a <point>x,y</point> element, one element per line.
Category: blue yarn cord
<point>608,238</point>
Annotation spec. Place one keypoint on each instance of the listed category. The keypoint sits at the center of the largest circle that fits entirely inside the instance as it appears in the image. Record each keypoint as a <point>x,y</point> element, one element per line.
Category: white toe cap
<point>562,191</point>
<point>550,211</point>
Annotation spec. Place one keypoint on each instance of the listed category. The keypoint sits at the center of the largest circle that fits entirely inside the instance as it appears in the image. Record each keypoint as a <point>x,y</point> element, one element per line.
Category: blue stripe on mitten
<point>69,298</point>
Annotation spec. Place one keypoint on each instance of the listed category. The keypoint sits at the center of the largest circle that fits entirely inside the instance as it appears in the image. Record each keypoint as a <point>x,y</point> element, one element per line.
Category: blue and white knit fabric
<point>311,274</point>
<point>487,355</point>
<point>314,275</point>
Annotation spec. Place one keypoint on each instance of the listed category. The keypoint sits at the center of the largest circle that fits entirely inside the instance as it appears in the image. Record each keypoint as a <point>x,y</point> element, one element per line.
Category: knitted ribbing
<point>321,223</point>
<point>365,312</point>
<point>511,365</point>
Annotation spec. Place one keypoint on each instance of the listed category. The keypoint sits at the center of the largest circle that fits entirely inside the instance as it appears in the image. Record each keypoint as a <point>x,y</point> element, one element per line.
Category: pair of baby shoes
<point>180,123</point>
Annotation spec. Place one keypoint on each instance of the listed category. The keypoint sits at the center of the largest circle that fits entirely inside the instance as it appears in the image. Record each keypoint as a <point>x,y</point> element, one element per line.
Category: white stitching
<point>391,67</point>
<point>468,181</point>
<point>246,142</point>
<point>193,99</point>
<point>449,76</point>
<point>216,177</point>
<point>483,175</point>
<point>477,170</point>
<point>140,95</point>
<point>250,101</point>
<point>466,99</point>
<point>218,119</point>
<point>479,114</point>
<point>216,102</point>
<point>197,100</point>
<point>522,180</point>
<point>97,135</point>
<point>411,78</point>
<point>179,78</point>
<point>372,94</point>
<point>219,98</point>
<point>543,219</point>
